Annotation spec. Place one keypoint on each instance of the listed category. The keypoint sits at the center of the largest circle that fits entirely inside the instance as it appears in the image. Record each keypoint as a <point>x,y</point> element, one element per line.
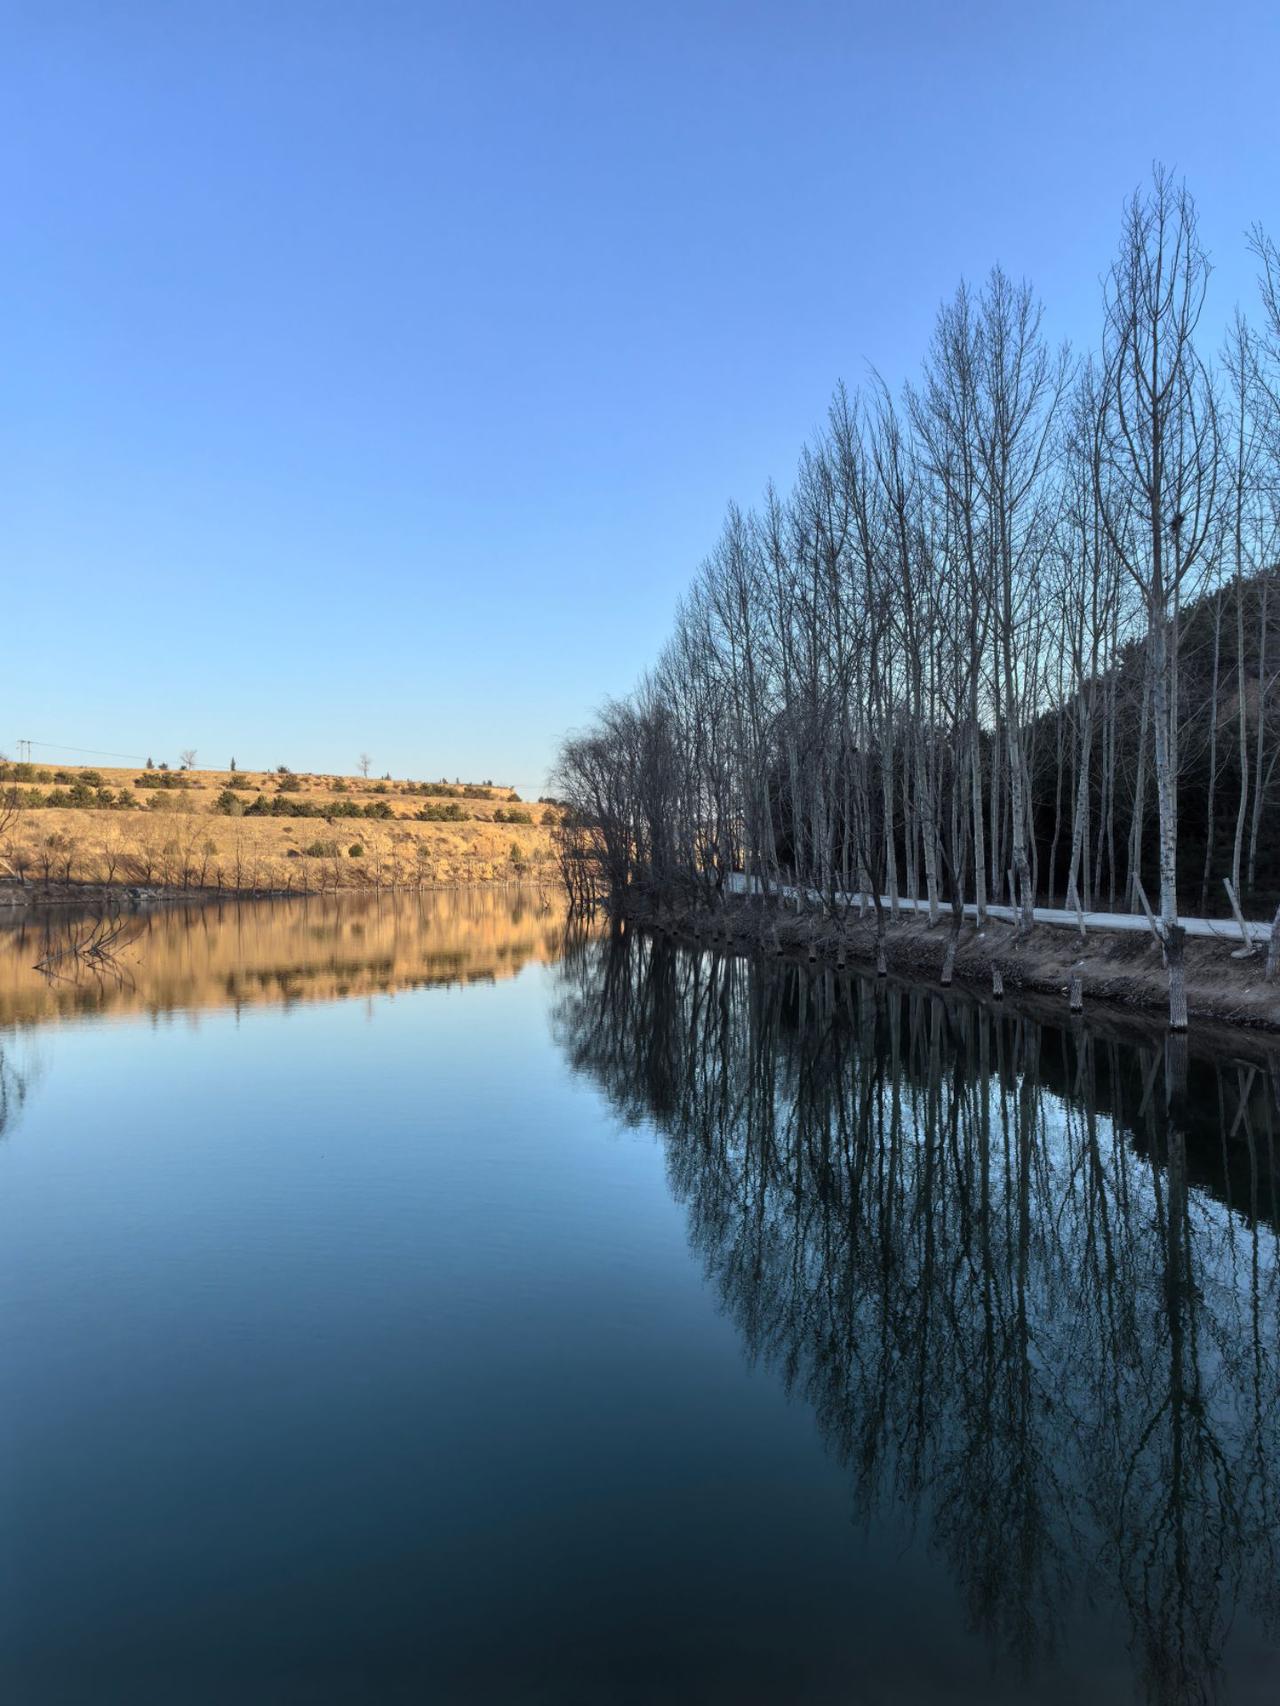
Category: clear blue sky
<point>375,375</point>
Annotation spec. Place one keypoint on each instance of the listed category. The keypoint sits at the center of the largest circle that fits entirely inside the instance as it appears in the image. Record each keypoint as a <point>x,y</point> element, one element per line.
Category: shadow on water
<point>1024,1275</point>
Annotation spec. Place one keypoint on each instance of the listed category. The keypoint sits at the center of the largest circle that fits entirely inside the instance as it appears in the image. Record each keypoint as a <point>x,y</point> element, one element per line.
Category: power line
<point>89,751</point>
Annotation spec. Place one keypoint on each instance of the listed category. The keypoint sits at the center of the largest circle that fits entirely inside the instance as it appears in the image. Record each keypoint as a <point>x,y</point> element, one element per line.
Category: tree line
<point>1011,638</point>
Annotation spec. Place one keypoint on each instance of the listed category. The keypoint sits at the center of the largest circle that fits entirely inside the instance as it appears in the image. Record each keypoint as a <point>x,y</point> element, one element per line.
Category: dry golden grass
<point>178,838</point>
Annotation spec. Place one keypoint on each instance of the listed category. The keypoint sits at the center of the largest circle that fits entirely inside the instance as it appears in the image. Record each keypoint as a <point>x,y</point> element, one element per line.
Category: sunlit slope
<point>258,830</point>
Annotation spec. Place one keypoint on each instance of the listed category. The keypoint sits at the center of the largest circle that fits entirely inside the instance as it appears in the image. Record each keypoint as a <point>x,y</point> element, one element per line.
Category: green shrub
<point>355,851</point>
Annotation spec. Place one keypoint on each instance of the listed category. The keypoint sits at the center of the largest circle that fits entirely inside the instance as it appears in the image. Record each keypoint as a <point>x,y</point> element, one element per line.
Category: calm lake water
<point>400,1302</point>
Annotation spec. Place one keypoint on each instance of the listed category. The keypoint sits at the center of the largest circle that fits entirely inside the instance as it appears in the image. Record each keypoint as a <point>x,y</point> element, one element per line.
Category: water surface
<point>401,1303</point>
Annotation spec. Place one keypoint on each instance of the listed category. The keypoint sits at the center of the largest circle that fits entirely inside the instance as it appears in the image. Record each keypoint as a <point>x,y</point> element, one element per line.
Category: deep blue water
<point>629,1326</point>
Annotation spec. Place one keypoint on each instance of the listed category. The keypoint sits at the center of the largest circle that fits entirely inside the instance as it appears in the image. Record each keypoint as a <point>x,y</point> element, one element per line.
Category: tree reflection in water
<point>1026,1276</point>
<point>13,1090</point>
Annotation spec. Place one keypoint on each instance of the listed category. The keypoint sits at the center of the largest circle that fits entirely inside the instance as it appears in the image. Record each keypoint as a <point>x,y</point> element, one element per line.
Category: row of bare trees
<point>1008,625</point>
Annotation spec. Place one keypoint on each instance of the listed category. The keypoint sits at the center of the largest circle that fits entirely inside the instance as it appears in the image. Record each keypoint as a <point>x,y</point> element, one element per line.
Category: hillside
<point>1224,665</point>
<point>252,831</point>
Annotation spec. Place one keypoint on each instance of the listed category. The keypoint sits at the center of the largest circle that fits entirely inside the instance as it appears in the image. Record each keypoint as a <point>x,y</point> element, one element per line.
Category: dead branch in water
<point>95,943</point>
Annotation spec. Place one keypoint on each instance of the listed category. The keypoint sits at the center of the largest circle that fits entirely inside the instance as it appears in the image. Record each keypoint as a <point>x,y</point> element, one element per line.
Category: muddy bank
<point>20,900</point>
<point>1123,969</point>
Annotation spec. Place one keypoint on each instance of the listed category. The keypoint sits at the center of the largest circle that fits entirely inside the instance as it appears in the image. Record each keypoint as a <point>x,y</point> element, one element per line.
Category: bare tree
<point>12,806</point>
<point>1158,453</point>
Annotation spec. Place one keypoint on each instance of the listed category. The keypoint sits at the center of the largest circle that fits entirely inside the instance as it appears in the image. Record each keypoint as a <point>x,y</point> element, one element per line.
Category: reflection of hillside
<point>322,948</point>
<point>976,1247</point>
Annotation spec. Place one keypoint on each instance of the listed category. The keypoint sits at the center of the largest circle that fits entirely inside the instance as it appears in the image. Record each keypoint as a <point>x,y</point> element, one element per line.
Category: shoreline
<point>1123,969</point>
<point>1120,970</point>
